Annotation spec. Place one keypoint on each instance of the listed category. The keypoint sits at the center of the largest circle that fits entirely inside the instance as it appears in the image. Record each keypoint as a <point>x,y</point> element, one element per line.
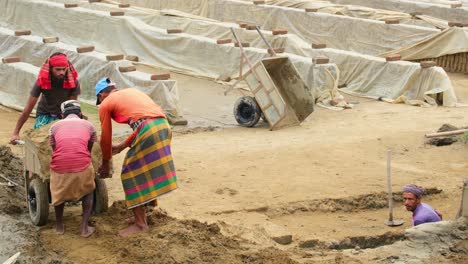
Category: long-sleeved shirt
<point>124,106</point>
<point>424,214</point>
<point>71,137</point>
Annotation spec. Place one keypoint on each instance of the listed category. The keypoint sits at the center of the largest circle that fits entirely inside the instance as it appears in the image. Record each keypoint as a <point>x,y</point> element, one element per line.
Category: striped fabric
<point>148,169</point>
<point>42,120</point>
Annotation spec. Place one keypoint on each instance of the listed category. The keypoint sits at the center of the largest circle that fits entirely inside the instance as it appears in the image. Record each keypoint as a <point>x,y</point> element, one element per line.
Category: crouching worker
<point>71,169</point>
<point>148,169</point>
<point>422,213</point>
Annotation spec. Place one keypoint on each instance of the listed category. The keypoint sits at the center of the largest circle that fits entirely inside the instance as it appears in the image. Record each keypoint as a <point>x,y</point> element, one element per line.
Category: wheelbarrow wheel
<point>246,111</point>
<point>38,202</point>
<point>101,200</point>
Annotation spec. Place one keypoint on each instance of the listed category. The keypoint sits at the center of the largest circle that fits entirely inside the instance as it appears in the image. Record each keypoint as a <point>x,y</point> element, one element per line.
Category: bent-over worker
<point>71,169</point>
<point>148,169</point>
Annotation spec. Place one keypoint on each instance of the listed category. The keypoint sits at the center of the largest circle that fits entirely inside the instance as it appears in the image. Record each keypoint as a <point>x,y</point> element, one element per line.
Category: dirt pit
<point>168,241</point>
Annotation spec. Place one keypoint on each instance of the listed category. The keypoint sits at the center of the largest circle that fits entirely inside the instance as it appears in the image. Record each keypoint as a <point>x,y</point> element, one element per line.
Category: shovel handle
<point>389,185</point>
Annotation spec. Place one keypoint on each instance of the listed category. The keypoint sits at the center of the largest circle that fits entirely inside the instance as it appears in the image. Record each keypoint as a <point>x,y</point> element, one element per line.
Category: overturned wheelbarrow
<point>278,93</point>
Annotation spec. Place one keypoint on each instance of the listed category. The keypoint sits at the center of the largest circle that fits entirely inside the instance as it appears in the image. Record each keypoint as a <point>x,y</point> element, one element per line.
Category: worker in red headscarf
<point>57,82</point>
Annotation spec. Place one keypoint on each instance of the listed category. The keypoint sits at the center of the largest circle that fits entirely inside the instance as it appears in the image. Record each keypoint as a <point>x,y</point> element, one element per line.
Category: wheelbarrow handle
<point>242,49</point>
<point>266,42</point>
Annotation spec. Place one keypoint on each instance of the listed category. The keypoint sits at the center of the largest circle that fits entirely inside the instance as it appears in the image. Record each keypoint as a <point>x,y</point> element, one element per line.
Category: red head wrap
<point>59,61</point>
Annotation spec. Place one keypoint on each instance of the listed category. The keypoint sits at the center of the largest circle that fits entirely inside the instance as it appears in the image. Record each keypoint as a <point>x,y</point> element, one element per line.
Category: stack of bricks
<point>244,44</point>
<point>84,49</point>
<point>70,5</point>
<point>117,13</point>
<point>320,60</point>
<point>132,58</point>
<point>393,57</point>
<point>224,41</point>
<point>392,21</point>
<point>11,59</point>
<point>174,31</point>
<point>277,50</point>
<point>319,45</point>
<point>22,32</point>
<point>279,31</point>
<point>127,68</point>
<point>115,57</point>
<point>160,77</point>
<point>50,39</point>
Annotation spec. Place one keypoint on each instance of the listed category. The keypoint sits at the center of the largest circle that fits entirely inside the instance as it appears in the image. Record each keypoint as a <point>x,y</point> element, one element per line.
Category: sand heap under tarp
<point>40,138</point>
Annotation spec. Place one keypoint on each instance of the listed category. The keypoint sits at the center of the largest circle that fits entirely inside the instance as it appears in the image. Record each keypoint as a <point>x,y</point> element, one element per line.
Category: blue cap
<point>101,85</point>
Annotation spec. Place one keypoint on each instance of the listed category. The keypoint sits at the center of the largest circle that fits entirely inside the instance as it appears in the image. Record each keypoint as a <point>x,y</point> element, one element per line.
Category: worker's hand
<point>439,214</point>
<point>104,170</point>
<point>116,149</point>
<point>14,139</point>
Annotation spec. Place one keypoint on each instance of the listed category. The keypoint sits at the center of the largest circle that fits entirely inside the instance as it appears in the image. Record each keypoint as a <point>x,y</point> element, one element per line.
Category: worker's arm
<point>52,137</point>
<point>106,140</point>
<point>116,149</point>
<point>32,100</point>
<point>76,91</point>
<point>92,138</point>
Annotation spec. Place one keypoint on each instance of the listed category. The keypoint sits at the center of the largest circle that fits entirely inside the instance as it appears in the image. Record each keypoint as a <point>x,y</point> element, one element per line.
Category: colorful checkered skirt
<point>148,169</point>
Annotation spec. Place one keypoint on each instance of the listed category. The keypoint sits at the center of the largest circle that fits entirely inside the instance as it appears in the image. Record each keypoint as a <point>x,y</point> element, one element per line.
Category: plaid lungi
<point>148,169</point>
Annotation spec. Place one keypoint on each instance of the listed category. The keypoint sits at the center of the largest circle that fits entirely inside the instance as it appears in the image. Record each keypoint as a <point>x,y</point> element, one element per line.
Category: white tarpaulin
<point>354,10</point>
<point>90,66</point>
<point>340,32</point>
<point>398,77</point>
<point>191,54</point>
<point>430,8</point>
<point>450,41</point>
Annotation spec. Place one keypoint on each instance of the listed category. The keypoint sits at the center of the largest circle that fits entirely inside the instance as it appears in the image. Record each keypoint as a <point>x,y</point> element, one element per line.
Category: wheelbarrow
<point>278,92</point>
<point>38,194</point>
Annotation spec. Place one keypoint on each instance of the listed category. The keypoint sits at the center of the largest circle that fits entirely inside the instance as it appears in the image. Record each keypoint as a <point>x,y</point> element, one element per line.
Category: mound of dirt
<point>444,141</point>
<point>168,241</point>
<point>12,197</point>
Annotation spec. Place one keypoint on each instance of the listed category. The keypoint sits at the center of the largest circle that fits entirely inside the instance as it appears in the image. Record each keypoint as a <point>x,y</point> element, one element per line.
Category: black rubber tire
<point>246,111</point>
<point>101,200</point>
<point>38,202</point>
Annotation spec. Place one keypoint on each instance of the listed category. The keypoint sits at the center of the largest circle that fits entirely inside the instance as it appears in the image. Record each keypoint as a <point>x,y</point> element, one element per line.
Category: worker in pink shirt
<point>71,169</point>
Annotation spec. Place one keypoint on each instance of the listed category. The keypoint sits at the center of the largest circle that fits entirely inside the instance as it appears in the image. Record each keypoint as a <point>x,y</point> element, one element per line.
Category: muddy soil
<point>17,234</point>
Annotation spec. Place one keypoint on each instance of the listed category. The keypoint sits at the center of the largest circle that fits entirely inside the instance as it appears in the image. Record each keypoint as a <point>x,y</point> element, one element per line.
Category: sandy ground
<point>322,183</point>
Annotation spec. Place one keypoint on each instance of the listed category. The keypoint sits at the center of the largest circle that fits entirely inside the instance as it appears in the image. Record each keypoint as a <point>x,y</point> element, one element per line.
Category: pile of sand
<point>169,240</point>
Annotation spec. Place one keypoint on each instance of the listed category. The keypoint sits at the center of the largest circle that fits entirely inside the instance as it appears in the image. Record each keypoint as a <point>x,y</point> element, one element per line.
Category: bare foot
<point>131,220</point>
<point>133,229</point>
<point>88,232</point>
<point>60,229</point>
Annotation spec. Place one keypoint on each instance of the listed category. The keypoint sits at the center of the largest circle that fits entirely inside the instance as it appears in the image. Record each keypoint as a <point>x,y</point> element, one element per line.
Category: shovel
<point>390,221</point>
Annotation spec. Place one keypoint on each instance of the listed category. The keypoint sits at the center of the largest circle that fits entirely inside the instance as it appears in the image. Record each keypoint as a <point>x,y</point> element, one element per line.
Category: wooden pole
<point>446,133</point>
<point>389,186</point>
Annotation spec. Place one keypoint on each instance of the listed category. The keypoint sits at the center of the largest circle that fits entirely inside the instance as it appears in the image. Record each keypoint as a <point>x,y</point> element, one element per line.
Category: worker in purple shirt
<point>422,213</point>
